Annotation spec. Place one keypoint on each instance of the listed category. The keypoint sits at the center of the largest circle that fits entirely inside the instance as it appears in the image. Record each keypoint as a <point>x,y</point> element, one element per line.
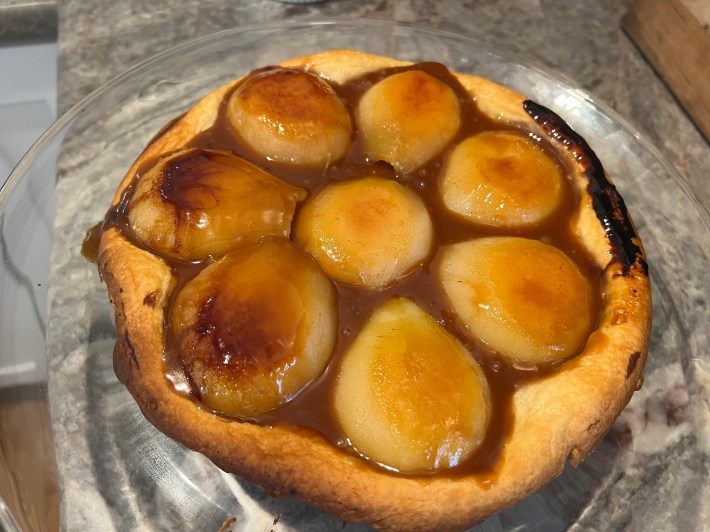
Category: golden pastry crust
<point>572,407</point>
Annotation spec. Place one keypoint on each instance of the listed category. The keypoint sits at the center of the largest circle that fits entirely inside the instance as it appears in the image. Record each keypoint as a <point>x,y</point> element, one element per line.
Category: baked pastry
<point>403,295</point>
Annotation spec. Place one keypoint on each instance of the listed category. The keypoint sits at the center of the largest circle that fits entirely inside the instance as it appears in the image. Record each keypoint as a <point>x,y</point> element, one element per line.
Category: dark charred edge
<point>227,525</point>
<point>131,349</point>
<point>633,360</point>
<point>149,299</point>
<point>606,200</point>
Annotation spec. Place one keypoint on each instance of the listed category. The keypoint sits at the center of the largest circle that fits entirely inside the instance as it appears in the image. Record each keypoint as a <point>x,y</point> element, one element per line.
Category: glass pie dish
<point>116,469</point>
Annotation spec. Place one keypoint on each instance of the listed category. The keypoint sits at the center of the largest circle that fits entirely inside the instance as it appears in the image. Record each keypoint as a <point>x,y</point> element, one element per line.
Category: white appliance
<point>28,96</point>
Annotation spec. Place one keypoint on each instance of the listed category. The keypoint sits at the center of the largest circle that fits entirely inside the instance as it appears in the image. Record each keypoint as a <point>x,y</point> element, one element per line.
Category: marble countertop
<point>664,476</point>
<point>27,21</point>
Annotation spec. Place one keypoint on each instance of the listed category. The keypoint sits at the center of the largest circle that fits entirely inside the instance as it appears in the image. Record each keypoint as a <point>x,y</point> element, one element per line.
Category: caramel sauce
<point>311,409</point>
<point>90,245</point>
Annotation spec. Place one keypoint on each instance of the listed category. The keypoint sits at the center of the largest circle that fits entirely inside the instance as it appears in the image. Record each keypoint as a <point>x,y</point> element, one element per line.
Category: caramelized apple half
<point>196,203</point>
<point>369,232</point>
<point>407,118</point>
<point>408,394</point>
<point>255,328</point>
<point>502,179</point>
<point>523,298</point>
<point>291,116</point>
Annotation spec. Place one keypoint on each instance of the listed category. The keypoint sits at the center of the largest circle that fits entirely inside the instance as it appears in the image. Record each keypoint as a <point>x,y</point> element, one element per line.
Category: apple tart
<point>403,295</point>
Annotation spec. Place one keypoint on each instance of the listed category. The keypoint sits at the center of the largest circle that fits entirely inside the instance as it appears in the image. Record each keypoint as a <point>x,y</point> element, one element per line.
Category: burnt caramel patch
<point>237,337</point>
<point>149,299</point>
<point>182,182</point>
<point>131,349</point>
<point>228,524</point>
<point>606,200</point>
<point>238,350</point>
<point>199,203</point>
<point>633,361</point>
<point>245,334</point>
<point>284,95</point>
<point>250,331</point>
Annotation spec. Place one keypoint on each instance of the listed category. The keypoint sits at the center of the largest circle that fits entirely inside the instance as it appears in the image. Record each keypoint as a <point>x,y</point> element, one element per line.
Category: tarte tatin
<point>403,295</point>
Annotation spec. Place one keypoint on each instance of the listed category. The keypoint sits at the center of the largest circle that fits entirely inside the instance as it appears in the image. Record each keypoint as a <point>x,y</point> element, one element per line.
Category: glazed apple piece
<point>291,116</point>
<point>523,298</point>
<point>502,179</point>
<point>370,231</point>
<point>407,118</point>
<point>408,395</point>
<point>196,203</point>
<point>255,328</point>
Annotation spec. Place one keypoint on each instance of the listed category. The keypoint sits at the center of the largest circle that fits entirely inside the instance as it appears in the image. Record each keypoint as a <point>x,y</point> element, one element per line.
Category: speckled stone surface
<point>27,21</point>
<point>649,473</point>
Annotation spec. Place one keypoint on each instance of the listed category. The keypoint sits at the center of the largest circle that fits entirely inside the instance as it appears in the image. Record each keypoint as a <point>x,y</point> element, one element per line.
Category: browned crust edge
<point>563,415</point>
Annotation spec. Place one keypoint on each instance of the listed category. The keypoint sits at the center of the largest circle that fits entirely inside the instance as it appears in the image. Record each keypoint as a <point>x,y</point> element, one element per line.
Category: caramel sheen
<point>407,118</point>
<point>243,327</point>
<point>501,179</point>
<point>367,231</point>
<point>422,402</point>
<point>311,409</point>
<point>291,115</point>
<point>522,297</point>
<point>198,203</point>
